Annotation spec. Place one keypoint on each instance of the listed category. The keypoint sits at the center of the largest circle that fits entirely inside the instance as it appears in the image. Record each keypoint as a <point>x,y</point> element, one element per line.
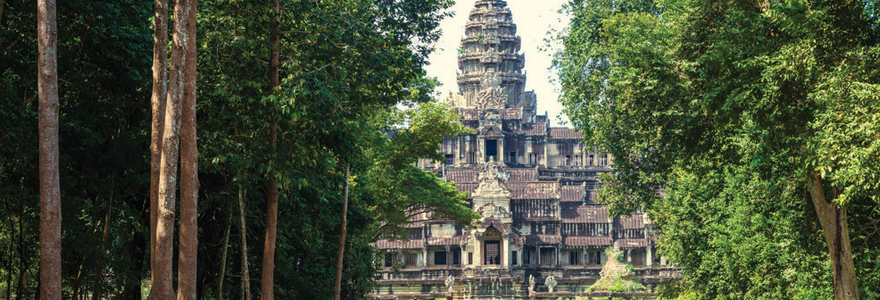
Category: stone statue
<point>449,283</point>
<point>550,282</point>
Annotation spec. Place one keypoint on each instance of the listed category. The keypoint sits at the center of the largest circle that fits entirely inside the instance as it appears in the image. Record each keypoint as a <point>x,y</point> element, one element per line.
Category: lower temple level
<point>509,283</point>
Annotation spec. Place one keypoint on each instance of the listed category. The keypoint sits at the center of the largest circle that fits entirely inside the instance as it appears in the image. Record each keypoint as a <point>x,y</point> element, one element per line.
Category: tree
<point>337,288</point>
<point>189,170</point>
<point>158,103</point>
<point>50,187</point>
<point>268,276</point>
<point>742,96</point>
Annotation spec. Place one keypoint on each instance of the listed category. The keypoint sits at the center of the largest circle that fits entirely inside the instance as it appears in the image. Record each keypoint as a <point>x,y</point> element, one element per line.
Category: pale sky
<point>533,19</point>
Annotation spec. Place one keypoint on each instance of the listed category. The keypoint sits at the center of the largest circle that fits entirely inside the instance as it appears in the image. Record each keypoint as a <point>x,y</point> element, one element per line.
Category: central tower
<point>490,65</point>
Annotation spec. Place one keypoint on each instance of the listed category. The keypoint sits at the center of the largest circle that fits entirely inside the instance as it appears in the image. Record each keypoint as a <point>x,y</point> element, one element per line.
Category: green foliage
<point>345,65</point>
<point>103,71</point>
<point>728,108</point>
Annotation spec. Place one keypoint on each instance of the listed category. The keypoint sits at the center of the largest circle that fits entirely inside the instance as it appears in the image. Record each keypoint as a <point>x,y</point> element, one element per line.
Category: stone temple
<point>541,233</point>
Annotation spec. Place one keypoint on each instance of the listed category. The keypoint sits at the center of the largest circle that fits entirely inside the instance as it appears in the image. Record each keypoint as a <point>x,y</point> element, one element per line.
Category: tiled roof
<point>587,241</point>
<point>467,187</point>
<point>520,174</point>
<point>632,243</point>
<point>511,114</point>
<point>533,129</point>
<point>462,175</point>
<point>533,190</point>
<point>584,214</point>
<point>443,241</point>
<point>539,239</point>
<point>634,222</point>
<point>572,193</point>
<point>564,133</point>
<point>386,244</point>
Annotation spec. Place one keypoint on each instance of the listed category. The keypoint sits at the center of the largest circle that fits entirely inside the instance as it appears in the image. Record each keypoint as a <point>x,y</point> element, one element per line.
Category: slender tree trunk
<point>2,4</point>
<point>158,100</point>
<point>834,227</point>
<point>223,253</point>
<point>22,259</point>
<point>268,276</point>
<point>9,263</point>
<point>189,169</point>
<point>96,295</point>
<point>245,273</point>
<point>170,156</point>
<point>337,291</point>
<point>50,192</point>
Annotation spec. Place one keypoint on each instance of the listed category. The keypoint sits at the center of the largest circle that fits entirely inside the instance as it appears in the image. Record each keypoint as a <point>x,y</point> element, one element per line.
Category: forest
<point>292,170</point>
<point>748,130</point>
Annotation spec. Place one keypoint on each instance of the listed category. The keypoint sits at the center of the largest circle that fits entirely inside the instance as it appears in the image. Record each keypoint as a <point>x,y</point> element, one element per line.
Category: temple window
<point>440,258</point>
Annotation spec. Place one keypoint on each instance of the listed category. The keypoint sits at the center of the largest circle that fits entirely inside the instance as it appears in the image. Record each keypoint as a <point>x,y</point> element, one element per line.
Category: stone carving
<point>492,183</point>
<point>491,98</point>
<point>490,117</point>
<point>449,283</point>
<point>550,282</point>
<point>491,210</point>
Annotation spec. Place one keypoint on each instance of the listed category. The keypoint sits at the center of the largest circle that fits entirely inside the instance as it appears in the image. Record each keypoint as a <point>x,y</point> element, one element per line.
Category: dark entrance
<point>493,253</point>
<point>491,149</point>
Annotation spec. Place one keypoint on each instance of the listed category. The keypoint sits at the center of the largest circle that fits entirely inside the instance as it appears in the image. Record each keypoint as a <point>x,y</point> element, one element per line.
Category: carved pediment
<point>492,182</point>
<point>491,210</point>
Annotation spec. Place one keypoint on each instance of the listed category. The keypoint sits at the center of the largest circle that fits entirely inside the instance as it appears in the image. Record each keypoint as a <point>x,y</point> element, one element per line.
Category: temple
<point>541,233</point>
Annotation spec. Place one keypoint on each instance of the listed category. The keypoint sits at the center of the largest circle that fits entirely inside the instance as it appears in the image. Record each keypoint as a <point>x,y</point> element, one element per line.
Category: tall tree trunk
<point>189,170</point>
<point>96,295</point>
<point>337,291</point>
<point>245,273</point>
<point>834,226</point>
<point>2,4</point>
<point>157,101</point>
<point>170,156</point>
<point>22,258</point>
<point>9,263</point>
<point>50,192</point>
<point>268,276</point>
<point>223,253</point>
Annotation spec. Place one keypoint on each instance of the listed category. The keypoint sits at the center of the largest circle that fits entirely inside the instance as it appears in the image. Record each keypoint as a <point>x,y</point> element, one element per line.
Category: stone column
<point>546,158</point>
<point>527,151</point>
<point>537,255</point>
<point>424,256</point>
<point>478,250</point>
<point>629,256</point>
<point>500,151</point>
<point>448,257</point>
<point>558,256</point>
<point>519,255</point>
<point>467,148</point>
<point>462,256</point>
<point>505,251</point>
<point>649,258</point>
<point>584,255</point>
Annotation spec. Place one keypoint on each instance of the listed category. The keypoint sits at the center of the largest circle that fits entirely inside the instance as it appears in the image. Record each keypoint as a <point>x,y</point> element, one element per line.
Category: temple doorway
<point>491,150</point>
<point>492,247</point>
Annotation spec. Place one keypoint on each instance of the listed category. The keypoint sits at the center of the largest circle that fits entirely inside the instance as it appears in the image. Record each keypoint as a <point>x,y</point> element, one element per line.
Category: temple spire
<point>490,65</point>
